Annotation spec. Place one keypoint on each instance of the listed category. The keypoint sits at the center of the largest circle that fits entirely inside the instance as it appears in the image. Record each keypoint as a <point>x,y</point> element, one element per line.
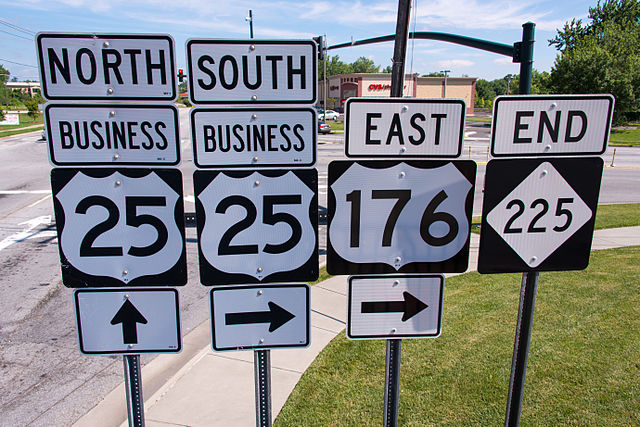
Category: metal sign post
<point>262,372</point>
<point>133,388</point>
<point>394,347</point>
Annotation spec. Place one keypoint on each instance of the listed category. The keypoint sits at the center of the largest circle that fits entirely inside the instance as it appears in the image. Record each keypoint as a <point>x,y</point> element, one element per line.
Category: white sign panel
<point>119,227</point>
<point>395,306</point>
<point>125,321</point>
<point>10,119</point>
<point>260,317</point>
<point>257,226</point>
<point>411,217</point>
<point>106,66</point>
<point>399,127</point>
<point>252,71</point>
<point>551,125</point>
<point>117,135</point>
<point>244,137</point>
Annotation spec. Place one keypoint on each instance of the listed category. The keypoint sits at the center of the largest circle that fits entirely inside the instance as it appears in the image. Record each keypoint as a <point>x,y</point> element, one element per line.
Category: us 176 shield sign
<point>389,216</point>
<point>257,227</point>
<point>120,227</point>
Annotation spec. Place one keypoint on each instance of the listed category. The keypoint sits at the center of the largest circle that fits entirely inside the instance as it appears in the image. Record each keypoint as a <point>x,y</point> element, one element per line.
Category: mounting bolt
<point>260,292</point>
<point>252,47</point>
<point>125,272</point>
<point>544,173</point>
<point>398,259</point>
<point>396,282</point>
<point>405,108</point>
<point>261,340</point>
<point>259,270</point>
<point>254,117</point>
<point>130,345</point>
<point>256,183</point>
<point>402,175</point>
<point>403,149</point>
<point>255,159</point>
<point>105,44</point>
<point>116,156</point>
<point>547,147</point>
<point>533,259</point>
<point>118,183</point>
<point>112,113</point>
<point>126,296</point>
<point>110,91</point>
<point>394,330</point>
<point>553,106</point>
<point>254,98</point>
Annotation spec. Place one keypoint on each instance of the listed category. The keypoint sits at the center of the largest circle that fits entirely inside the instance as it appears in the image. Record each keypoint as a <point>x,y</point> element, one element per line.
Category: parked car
<point>323,127</point>
<point>329,115</point>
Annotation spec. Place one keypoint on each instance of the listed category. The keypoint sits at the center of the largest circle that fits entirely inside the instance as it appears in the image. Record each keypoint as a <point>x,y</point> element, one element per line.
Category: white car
<point>329,115</point>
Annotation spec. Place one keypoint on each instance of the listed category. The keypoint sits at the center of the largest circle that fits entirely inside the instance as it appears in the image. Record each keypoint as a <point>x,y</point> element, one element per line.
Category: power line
<point>16,35</point>
<point>17,27</point>
<point>18,63</point>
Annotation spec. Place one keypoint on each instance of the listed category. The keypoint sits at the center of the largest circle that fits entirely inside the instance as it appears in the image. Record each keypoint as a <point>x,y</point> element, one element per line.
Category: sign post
<point>133,389</point>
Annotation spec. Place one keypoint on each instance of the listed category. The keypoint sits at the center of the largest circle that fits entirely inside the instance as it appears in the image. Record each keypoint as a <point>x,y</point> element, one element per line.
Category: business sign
<point>539,214</point>
<point>395,306</point>
<point>112,134</point>
<point>106,66</point>
<point>260,317</point>
<point>120,227</point>
<point>10,119</point>
<point>400,127</point>
<point>551,125</point>
<point>253,137</point>
<point>252,71</point>
<point>128,321</point>
<point>390,216</point>
<point>257,227</point>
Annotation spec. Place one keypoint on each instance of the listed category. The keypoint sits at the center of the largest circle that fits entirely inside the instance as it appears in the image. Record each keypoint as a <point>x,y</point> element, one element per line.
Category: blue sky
<point>495,20</point>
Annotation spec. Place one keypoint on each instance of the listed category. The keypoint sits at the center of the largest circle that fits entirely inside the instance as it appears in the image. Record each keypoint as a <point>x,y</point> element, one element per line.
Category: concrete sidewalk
<point>200,387</point>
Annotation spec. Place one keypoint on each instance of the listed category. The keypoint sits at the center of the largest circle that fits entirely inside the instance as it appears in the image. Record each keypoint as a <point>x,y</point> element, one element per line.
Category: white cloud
<point>455,63</point>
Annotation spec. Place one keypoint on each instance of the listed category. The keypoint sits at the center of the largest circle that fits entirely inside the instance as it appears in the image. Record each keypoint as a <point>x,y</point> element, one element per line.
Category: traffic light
<point>319,41</point>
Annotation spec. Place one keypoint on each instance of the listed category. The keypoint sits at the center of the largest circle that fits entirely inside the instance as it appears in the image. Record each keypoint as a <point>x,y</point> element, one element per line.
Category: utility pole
<point>250,20</point>
<point>324,74</point>
<point>509,77</point>
<point>6,95</point>
<point>446,73</point>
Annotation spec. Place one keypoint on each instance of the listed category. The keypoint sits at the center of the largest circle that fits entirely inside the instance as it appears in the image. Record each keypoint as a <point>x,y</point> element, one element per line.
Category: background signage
<point>551,125</point>
<point>252,71</point>
<point>119,227</point>
<point>125,321</point>
<point>390,216</point>
<point>260,317</point>
<point>252,137</point>
<point>257,226</point>
<point>395,306</point>
<point>400,127</point>
<point>106,66</point>
<point>113,134</point>
<point>539,214</point>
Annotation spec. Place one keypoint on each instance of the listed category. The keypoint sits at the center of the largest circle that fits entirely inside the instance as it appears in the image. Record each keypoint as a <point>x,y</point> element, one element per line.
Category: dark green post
<point>526,57</point>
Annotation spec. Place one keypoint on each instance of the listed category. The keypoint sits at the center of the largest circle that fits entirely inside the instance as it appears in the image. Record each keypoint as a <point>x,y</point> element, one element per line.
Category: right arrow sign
<point>395,306</point>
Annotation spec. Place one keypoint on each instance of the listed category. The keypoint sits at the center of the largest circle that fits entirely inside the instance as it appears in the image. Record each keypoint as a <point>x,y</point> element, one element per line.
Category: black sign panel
<point>257,227</point>
<point>539,214</point>
<point>120,227</point>
<point>399,217</point>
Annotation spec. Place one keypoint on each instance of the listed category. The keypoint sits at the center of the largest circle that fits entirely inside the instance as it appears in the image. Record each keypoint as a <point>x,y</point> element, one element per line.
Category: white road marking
<point>9,192</point>
<point>39,201</point>
<point>27,232</point>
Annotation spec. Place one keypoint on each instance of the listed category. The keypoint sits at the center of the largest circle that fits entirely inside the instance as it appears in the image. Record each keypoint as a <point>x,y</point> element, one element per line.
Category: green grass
<point>607,216</point>
<point>625,136</point>
<point>322,277</point>
<point>584,361</point>
<point>336,126</point>
<point>479,119</point>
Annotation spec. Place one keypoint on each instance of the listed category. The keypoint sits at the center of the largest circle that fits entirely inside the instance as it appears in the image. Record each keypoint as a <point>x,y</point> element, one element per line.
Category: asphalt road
<point>45,380</point>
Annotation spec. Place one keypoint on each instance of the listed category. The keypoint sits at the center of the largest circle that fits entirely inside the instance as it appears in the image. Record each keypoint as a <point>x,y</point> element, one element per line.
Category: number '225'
<point>533,228</point>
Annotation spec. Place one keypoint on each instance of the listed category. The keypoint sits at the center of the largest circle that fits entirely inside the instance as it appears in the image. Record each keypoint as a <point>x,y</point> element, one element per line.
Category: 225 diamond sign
<point>389,216</point>
<point>539,214</point>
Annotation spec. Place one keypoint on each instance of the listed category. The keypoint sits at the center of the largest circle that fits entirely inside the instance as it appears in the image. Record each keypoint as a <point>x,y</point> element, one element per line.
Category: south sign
<point>252,71</point>
<point>399,127</point>
<point>106,66</point>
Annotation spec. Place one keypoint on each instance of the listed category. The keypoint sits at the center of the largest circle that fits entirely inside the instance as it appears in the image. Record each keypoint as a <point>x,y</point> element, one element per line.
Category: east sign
<point>398,127</point>
<point>252,71</point>
<point>553,125</point>
<point>106,66</point>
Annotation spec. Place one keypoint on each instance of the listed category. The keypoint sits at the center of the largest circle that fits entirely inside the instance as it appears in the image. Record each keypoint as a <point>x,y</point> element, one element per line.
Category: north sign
<point>106,66</point>
<point>260,317</point>
<point>120,227</point>
<point>395,306</point>
<point>252,71</point>
<point>539,214</point>
<point>399,127</point>
<point>253,137</point>
<point>112,134</point>
<point>256,227</point>
<point>389,216</point>
<point>128,321</point>
<point>551,125</point>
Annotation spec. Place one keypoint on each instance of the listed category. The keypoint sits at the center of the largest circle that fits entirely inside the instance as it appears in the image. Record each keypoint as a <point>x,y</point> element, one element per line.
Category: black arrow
<point>409,307</point>
<point>276,316</point>
<point>129,316</point>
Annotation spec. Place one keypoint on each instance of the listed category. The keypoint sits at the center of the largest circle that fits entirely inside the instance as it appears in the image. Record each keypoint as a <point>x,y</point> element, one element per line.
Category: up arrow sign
<point>409,307</point>
<point>129,316</point>
<point>276,317</point>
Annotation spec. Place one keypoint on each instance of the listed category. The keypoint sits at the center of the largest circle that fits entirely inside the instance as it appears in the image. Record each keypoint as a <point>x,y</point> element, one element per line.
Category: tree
<point>602,56</point>
<point>364,65</point>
